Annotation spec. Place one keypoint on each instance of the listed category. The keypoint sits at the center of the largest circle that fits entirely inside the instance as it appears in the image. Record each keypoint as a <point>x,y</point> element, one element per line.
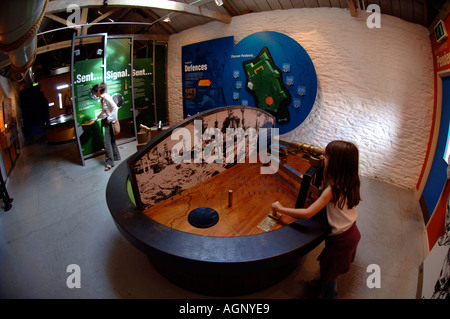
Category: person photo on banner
<point>108,116</point>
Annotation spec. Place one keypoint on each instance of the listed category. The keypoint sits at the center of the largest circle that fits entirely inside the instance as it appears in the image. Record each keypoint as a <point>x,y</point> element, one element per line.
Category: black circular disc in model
<point>203,217</point>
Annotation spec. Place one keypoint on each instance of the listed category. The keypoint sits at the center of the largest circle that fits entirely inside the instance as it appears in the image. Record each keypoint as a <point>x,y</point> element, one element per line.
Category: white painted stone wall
<point>375,86</point>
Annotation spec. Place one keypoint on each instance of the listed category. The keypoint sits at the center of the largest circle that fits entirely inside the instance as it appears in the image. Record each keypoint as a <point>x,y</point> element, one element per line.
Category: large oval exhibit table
<point>206,227</point>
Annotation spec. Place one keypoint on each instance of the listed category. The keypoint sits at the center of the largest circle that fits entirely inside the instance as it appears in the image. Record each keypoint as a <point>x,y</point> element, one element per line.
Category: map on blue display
<point>277,75</point>
<point>265,84</point>
<point>268,70</point>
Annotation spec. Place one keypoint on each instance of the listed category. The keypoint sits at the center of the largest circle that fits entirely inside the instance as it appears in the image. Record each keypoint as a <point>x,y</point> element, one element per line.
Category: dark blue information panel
<point>203,66</point>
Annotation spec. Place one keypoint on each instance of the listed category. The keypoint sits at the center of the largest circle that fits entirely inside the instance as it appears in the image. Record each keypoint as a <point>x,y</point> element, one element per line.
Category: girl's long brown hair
<point>342,173</point>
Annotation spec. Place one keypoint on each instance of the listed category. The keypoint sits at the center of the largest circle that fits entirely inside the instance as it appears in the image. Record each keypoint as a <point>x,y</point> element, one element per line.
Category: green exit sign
<point>439,30</point>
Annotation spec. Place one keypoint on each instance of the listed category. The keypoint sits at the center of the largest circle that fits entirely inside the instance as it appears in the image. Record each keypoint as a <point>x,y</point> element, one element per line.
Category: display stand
<point>231,255</point>
<point>80,92</point>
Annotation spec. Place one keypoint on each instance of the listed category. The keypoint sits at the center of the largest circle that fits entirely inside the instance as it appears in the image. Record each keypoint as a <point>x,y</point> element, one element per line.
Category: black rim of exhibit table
<point>207,264</point>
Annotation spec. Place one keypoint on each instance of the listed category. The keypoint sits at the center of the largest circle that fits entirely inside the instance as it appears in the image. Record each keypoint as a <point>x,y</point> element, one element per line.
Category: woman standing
<point>108,116</point>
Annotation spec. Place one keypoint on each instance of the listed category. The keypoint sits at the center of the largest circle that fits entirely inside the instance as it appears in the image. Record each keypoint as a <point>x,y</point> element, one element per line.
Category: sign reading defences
<point>203,65</point>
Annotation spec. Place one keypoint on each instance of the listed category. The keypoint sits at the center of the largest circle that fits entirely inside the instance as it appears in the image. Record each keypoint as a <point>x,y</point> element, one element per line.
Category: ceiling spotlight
<point>62,86</point>
<point>167,19</point>
<point>219,2</point>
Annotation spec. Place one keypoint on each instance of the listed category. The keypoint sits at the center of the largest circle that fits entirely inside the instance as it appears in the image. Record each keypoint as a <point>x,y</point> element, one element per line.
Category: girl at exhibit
<point>108,116</point>
<point>340,197</point>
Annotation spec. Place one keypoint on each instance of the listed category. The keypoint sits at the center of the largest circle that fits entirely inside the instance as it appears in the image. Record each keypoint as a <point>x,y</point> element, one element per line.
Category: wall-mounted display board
<point>267,70</point>
<point>203,66</point>
<point>272,71</point>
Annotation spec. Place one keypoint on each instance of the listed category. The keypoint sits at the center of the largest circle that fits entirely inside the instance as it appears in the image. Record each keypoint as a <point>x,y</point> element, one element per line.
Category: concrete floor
<point>59,217</point>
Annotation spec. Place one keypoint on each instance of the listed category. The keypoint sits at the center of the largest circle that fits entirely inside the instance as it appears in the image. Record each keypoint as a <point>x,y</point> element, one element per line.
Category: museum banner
<point>87,73</point>
<point>118,74</point>
<point>143,91</point>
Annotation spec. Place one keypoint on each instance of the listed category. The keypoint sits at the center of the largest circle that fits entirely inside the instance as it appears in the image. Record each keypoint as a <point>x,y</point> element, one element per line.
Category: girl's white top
<point>340,219</point>
<point>109,109</point>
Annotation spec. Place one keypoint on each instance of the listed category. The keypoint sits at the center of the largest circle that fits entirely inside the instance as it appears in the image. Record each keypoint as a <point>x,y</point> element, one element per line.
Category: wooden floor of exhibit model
<point>241,212</point>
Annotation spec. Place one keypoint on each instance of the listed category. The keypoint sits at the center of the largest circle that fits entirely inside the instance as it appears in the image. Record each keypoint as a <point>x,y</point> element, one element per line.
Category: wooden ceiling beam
<point>68,43</point>
<point>229,9</point>
<point>150,14</point>
<point>174,6</point>
<point>54,17</point>
<point>103,16</point>
<point>83,20</point>
<point>352,6</point>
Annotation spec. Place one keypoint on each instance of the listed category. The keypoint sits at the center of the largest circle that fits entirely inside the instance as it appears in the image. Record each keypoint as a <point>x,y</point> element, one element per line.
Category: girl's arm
<point>306,213</point>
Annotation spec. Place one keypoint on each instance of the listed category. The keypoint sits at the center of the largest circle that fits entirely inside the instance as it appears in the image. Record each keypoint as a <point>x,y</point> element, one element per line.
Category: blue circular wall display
<point>272,71</point>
